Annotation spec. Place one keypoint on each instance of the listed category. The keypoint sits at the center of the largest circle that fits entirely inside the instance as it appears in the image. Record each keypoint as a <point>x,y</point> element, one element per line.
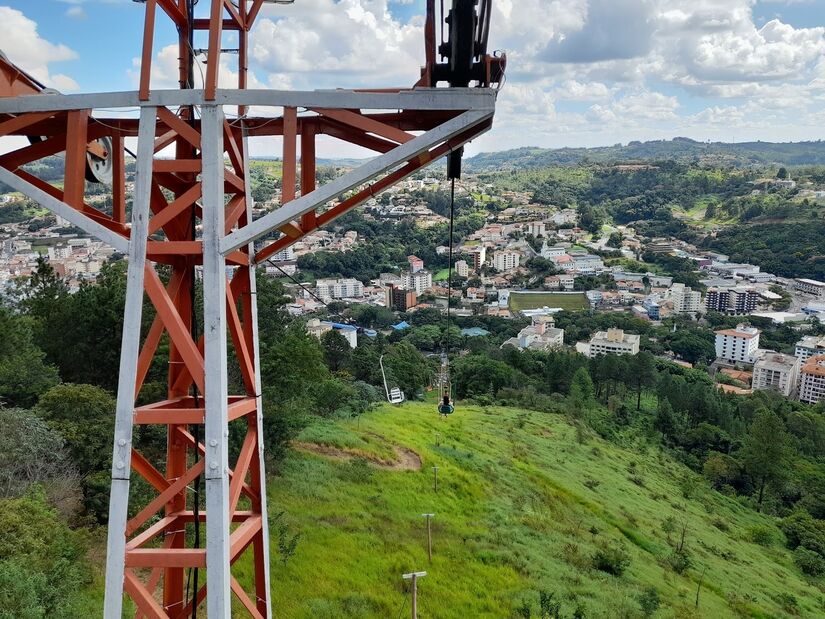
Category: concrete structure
<point>478,256</point>
<point>541,335</point>
<point>809,346</point>
<point>810,286</point>
<point>285,255</point>
<point>685,299</point>
<point>812,383</point>
<point>317,328</point>
<point>505,261</point>
<point>738,345</point>
<point>778,372</point>
<point>416,263</point>
<point>400,300</point>
<point>613,342</point>
<point>419,282</point>
<point>734,301</point>
<point>462,268</point>
<point>339,288</point>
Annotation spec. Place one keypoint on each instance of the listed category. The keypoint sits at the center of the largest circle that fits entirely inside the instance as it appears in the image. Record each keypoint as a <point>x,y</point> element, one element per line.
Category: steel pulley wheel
<point>99,161</point>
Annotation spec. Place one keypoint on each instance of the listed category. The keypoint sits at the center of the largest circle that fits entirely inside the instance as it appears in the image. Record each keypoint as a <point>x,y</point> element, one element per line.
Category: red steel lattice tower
<point>192,214</point>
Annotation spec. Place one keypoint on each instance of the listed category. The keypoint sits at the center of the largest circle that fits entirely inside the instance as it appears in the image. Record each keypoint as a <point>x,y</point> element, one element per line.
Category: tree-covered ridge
<point>743,154</point>
<point>788,250</point>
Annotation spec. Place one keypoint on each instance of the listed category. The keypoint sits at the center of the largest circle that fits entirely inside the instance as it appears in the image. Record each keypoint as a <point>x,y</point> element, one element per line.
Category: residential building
<point>285,255</point>
<point>812,383</point>
<point>810,286</point>
<point>419,282</point>
<point>400,300</point>
<point>339,288</point>
<point>567,282</point>
<point>809,346</point>
<point>778,372</point>
<point>541,335</point>
<point>416,263</point>
<point>505,261</point>
<point>550,252</point>
<point>478,256</point>
<point>685,299</point>
<point>735,301</point>
<point>536,228</point>
<point>318,328</point>
<point>587,263</point>
<point>739,345</point>
<point>613,342</point>
<point>462,268</point>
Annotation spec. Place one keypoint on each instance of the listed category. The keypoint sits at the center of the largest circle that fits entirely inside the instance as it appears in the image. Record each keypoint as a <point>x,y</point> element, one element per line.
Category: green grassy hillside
<point>523,507</point>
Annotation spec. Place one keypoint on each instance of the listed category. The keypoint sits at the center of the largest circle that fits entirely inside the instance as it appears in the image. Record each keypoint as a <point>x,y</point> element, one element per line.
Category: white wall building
<point>812,384</point>
<point>613,342</point>
<point>778,372</point>
<point>811,286</point>
<point>285,255</point>
<point>685,299</point>
<point>541,335</point>
<point>809,346</point>
<point>420,281</point>
<point>505,261</point>
<point>738,345</point>
<point>339,288</point>
<point>462,268</point>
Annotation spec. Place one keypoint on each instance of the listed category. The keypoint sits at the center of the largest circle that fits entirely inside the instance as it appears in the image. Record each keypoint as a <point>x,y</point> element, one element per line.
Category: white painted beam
<point>256,349</point>
<point>130,346</point>
<point>351,180</point>
<point>216,435</point>
<point>447,99</point>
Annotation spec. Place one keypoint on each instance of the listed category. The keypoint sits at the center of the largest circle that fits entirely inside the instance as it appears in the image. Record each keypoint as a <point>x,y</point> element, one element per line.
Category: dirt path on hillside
<point>405,459</point>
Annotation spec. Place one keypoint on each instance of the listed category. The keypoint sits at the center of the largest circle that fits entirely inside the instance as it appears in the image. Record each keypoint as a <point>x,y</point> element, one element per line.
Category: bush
<point>611,558</point>
<point>810,562</point>
<point>650,601</point>
<point>42,564</point>
<point>762,535</point>
<point>801,529</point>
<point>679,561</point>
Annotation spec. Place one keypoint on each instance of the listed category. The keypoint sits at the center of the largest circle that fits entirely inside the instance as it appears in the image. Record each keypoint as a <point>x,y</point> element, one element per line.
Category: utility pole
<point>414,576</point>
<point>435,479</point>
<point>429,518</point>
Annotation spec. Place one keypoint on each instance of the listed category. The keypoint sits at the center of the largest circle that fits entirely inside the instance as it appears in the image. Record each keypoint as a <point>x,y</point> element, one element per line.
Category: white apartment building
<point>811,286</point>
<point>550,252</point>
<point>285,255</point>
<point>462,268</point>
<point>419,281</point>
<point>685,299</point>
<point>809,346</point>
<point>339,288</point>
<point>536,228</point>
<point>587,263</point>
<point>738,345</point>
<point>541,335</point>
<point>778,372</point>
<point>613,342</point>
<point>504,261</point>
<point>812,384</point>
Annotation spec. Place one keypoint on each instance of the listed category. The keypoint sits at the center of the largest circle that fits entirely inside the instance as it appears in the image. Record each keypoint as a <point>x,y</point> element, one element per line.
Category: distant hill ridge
<point>742,154</point>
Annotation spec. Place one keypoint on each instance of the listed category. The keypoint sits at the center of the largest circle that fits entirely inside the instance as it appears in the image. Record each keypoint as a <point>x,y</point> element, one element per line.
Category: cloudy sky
<point>581,72</point>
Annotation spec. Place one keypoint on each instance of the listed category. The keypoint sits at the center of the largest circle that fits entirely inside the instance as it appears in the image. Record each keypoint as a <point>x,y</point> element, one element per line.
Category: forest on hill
<point>744,154</point>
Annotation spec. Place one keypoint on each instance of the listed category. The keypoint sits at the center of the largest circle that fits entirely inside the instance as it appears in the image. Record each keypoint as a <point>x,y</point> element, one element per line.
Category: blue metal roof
<point>401,326</point>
